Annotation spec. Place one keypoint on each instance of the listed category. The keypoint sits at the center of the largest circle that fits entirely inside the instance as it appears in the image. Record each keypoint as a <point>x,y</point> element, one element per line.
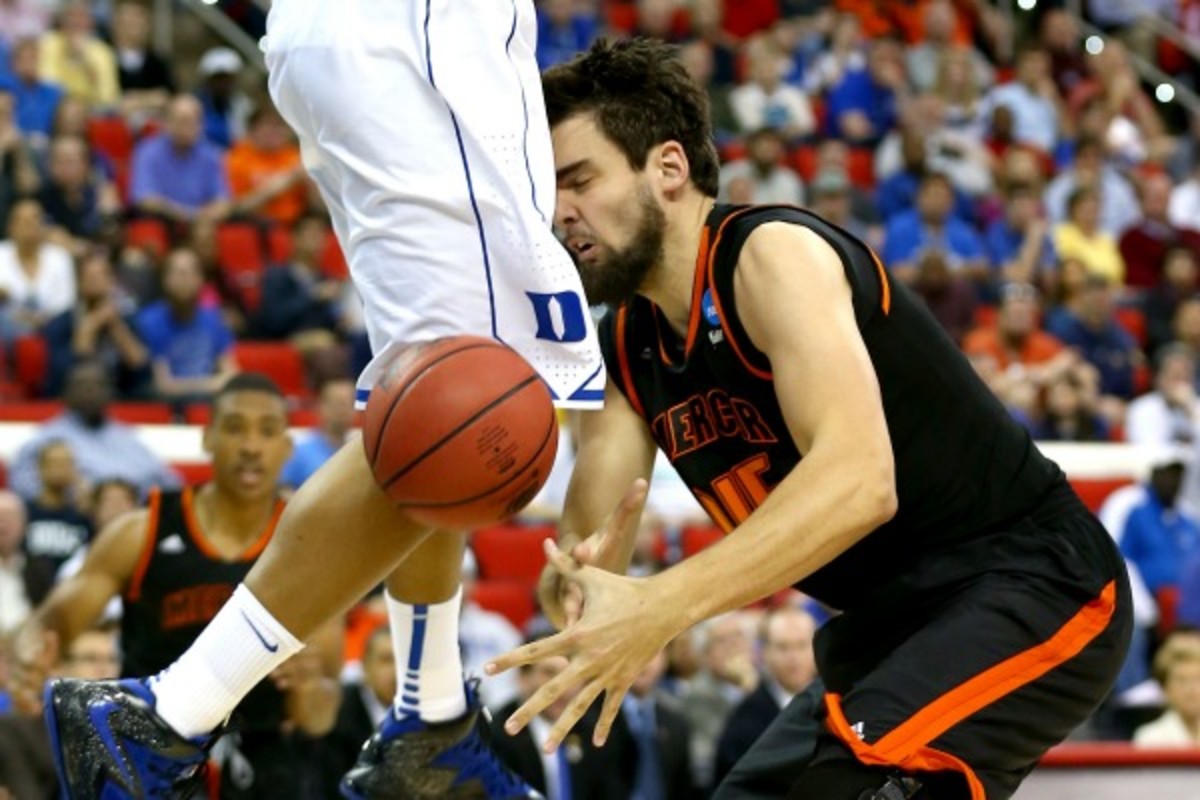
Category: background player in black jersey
<point>175,564</point>
<point>823,418</point>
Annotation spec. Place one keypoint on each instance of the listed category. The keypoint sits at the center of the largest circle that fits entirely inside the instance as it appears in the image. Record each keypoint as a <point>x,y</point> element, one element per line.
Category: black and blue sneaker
<point>410,759</point>
<point>110,744</point>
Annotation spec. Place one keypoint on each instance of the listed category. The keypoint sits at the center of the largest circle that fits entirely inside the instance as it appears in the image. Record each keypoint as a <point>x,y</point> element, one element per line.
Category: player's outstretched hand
<point>608,549</point>
<point>35,654</point>
<point>622,626</point>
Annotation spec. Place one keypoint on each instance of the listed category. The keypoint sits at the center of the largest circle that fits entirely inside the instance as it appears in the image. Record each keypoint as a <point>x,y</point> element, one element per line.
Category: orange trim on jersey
<point>206,547</point>
<point>623,360</point>
<point>698,285</point>
<point>712,257</point>
<point>907,745</point>
<point>134,592</point>
<point>885,299</point>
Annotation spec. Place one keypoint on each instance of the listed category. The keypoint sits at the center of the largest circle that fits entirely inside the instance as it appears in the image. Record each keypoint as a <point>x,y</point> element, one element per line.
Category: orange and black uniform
<point>986,619</point>
<point>179,585</point>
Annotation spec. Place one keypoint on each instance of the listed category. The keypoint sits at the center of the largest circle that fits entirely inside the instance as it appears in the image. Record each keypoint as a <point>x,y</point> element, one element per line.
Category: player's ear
<point>673,167</point>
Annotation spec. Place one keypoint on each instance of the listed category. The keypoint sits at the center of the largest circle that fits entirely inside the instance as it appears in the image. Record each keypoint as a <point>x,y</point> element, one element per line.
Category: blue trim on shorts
<point>462,151</point>
<point>525,109</point>
<point>588,395</point>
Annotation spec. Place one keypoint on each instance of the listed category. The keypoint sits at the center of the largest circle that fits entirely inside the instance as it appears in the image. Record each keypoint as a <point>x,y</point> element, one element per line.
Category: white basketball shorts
<point>423,124</point>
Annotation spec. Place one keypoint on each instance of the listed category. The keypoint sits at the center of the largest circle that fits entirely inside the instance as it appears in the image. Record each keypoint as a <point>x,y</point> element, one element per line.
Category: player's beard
<point>616,278</point>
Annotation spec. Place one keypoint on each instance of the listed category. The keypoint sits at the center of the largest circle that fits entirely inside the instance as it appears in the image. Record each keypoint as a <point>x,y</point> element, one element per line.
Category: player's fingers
<point>621,523</point>
<point>556,645</point>
<point>572,604</point>
<point>608,714</point>
<point>573,713</point>
<point>550,692</point>
<point>583,552</point>
<point>49,648</point>
<point>567,567</point>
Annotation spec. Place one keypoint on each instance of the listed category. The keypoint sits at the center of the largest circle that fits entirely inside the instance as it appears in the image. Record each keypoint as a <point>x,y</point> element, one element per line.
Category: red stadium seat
<point>194,474</point>
<point>197,414</point>
<point>279,245</point>
<point>3,476</point>
<point>333,260</point>
<point>31,362</point>
<point>30,411</point>
<point>1094,491</point>
<point>697,537</point>
<point>112,137</point>
<point>141,413</point>
<point>804,161</point>
<point>1133,320</point>
<point>303,418</point>
<point>862,167</point>
<point>279,360</point>
<point>241,260</point>
<point>513,599</point>
<point>148,234</point>
<point>512,551</point>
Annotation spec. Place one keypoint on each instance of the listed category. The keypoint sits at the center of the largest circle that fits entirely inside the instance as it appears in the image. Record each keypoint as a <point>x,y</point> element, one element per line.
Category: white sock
<point>429,671</point>
<point>240,647</point>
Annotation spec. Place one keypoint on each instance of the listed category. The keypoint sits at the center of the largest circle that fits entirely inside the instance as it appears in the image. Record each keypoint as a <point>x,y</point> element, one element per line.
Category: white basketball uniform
<point>423,124</point>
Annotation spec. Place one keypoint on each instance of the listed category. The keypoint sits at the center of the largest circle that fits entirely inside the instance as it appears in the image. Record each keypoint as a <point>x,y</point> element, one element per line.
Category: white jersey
<point>423,124</point>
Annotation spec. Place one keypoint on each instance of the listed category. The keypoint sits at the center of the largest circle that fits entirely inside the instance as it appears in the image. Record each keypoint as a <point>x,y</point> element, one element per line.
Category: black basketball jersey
<point>179,585</point>
<point>962,465</point>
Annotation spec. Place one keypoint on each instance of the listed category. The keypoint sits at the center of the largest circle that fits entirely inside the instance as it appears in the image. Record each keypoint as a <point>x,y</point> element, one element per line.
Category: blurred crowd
<point>1025,180</point>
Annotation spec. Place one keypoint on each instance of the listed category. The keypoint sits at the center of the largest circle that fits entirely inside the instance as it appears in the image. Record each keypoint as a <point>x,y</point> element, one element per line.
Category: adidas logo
<point>172,544</point>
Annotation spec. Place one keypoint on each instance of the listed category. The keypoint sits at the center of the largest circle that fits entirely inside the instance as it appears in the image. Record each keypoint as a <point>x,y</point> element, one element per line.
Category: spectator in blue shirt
<point>897,193</point>
<point>1159,537</point>
<point>862,107</point>
<point>1087,324</point>
<point>37,101</point>
<point>335,417</point>
<point>177,174</point>
<point>933,226</point>
<point>190,345</point>
<point>564,29</point>
<point>1189,592</point>
<point>1018,245</point>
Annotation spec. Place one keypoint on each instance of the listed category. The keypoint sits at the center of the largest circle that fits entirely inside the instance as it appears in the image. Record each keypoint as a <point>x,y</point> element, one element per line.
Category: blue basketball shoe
<point>414,760</point>
<point>110,744</point>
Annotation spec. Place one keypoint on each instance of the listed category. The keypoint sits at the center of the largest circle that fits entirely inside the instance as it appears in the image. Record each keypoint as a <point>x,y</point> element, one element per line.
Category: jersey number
<point>736,494</point>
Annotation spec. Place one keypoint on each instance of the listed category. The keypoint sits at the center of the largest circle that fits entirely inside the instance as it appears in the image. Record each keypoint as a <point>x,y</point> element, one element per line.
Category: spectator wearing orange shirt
<point>1016,342</point>
<point>266,177</point>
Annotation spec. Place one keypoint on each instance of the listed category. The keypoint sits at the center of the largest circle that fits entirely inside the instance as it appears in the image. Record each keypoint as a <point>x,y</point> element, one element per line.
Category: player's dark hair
<point>248,382</point>
<point>641,96</point>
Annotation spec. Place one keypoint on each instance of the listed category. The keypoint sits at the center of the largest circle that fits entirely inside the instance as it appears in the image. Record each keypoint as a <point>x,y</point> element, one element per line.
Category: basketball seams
<point>373,453</point>
<point>453,433</point>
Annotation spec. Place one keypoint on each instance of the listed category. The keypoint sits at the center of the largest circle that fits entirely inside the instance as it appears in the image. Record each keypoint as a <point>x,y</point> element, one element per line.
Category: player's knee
<point>847,779</point>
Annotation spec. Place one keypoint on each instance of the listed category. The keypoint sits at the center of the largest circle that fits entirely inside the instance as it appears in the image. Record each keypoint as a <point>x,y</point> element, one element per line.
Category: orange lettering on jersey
<point>737,493</point>
<point>704,418</point>
<point>195,605</point>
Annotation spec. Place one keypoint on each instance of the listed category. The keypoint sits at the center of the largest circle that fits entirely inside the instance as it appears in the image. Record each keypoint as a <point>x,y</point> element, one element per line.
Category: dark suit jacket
<point>289,306</point>
<point>674,751</point>
<point>746,723</point>
<point>596,773</point>
<point>339,748</point>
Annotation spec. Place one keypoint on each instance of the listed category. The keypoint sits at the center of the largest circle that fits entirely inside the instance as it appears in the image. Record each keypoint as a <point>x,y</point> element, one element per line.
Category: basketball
<point>460,432</point>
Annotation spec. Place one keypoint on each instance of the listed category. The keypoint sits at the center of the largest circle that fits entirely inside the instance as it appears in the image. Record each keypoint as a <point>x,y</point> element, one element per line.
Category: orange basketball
<point>460,432</point>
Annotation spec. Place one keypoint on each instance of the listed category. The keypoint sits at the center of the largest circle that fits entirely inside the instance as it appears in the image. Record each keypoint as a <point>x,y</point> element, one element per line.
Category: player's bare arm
<point>615,452</point>
<point>793,294</point>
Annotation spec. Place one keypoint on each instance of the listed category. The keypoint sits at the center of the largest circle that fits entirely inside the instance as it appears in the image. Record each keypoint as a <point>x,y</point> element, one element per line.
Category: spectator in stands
<point>1160,535</point>
<point>18,175</point>
<point>335,419</point>
<point>365,703</point>
<point>765,101</point>
<point>958,87</point>
<point>1177,668</point>
<point>578,769</point>
<point>57,527</point>
<point>1132,129</point>
<point>1184,207</point>
<point>1081,237</point>
<point>103,448</point>
<point>79,61</point>
<point>923,60</point>
<point>660,736</point>
<point>190,345</point>
<point>22,19</point>
<point>959,155</point>
<point>772,182</point>
<point>896,192</point>
<point>145,78</point>
<point>110,499</point>
<point>81,207</point>
<point>1070,414</point>
<point>786,640</point>
<point>727,677</point>
<point>23,581</point>
<point>176,174</point>
<point>483,635</point>
<point>1118,201</point>
<point>831,196</point>
<point>697,57</point>
<point>1033,100</point>
<point>37,278</point>
<point>950,295</point>
<point>225,107</point>
<point>266,177</point>
<point>1016,343</point>
<point>1018,245</point>
<point>846,52</point>
<point>37,100</point>
<point>302,300</point>
<point>1144,245</point>
<point>1170,414</point>
<point>1164,304</point>
<point>933,226</point>
<point>1059,36</point>
<point>101,326</point>
<point>1088,324</point>
<point>565,28</point>
<point>863,107</point>
<point>833,154</point>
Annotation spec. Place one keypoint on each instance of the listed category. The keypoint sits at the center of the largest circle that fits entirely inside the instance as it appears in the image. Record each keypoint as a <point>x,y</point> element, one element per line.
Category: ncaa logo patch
<point>709,308</point>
